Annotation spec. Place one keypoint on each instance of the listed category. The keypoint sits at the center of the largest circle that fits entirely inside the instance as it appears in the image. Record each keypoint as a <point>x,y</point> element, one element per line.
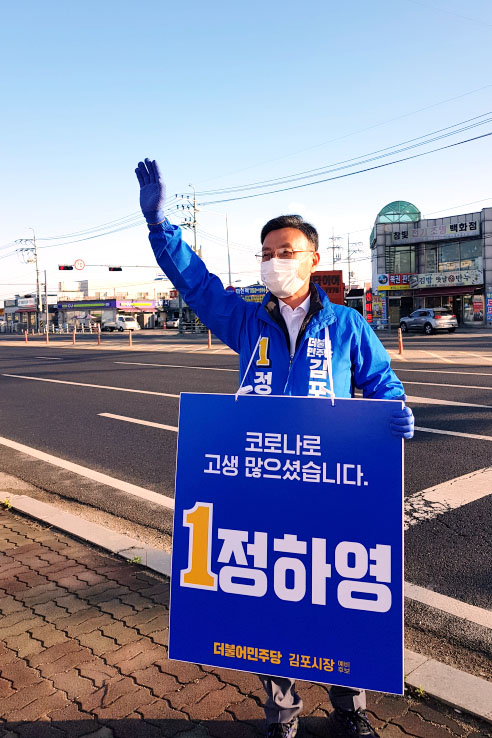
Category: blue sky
<point>224,94</point>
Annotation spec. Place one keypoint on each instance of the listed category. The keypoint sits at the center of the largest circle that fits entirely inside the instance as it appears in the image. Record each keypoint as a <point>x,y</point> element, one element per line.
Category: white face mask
<point>281,277</point>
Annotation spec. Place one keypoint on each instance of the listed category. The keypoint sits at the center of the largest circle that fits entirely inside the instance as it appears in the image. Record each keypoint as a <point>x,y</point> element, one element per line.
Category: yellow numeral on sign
<point>198,574</point>
<point>263,351</point>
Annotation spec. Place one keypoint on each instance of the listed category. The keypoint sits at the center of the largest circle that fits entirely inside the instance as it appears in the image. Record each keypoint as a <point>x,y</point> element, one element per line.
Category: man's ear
<point>316,260</point>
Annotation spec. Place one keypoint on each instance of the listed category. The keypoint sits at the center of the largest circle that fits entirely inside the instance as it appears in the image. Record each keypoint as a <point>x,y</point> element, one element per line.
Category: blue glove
<point>152,191</point>
<point>402,423</point>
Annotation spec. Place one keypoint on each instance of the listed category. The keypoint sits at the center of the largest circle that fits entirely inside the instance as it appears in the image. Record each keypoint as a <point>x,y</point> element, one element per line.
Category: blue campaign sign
<point>288,539</point>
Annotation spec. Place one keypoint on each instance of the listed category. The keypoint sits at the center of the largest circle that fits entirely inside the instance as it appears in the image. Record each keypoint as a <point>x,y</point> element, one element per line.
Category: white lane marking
<point>446,371</point>
<point>459,609</point>
<point>434,501</point>
<point>454,433</point>
<point>398,356</point>
<point>139,422</point>
<point>433,401</point>
<point>480,356</point>
<point>440,384</point>
<point>50,358</point>
<point>177,366</point>
<point>438,356</point>
<point>84,471</point>
<point>97,386</point>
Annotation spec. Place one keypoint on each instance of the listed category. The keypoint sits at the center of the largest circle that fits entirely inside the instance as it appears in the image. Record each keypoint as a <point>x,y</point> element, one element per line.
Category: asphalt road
<point>450,554</point>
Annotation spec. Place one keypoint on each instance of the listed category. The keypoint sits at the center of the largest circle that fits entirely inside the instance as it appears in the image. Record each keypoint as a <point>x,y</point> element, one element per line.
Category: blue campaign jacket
<point>359,360</point>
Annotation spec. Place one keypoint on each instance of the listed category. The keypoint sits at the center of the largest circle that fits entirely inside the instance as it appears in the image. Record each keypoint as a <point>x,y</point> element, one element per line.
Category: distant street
<point>114,426</point>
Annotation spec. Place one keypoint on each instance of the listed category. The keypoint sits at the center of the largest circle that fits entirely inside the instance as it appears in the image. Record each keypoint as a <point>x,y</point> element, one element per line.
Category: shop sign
<point>469,277</point>
<point>368,314</point>
<point>9,303</point>
<point>26,302</point>
<point>87,305</point>
<point>332,283</point>
<point>393,281</point>
<point>252,294</point>
<point>463,229</point>
<point>488,306</point>
<point>245,567</point>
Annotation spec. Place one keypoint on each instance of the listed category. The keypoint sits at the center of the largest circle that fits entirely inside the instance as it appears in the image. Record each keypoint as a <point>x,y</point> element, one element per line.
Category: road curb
<point>460,690</point>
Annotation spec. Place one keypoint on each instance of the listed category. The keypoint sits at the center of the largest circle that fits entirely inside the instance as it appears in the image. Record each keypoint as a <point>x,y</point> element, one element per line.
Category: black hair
<point>291,221</point>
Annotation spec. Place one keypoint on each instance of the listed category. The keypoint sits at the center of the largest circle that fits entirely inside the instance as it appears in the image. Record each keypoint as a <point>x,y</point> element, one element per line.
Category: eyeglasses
<point>281,254</point>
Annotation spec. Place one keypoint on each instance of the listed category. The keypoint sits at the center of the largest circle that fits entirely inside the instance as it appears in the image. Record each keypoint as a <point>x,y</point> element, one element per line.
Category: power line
<point>362,159</point>
<point>349,174</point>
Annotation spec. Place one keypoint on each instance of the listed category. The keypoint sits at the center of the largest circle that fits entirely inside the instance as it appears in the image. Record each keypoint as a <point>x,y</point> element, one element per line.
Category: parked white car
<point>122,323</point>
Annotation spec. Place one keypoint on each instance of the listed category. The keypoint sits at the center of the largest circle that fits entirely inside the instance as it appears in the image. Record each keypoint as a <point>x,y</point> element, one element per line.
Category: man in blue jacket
<point>277,342</point>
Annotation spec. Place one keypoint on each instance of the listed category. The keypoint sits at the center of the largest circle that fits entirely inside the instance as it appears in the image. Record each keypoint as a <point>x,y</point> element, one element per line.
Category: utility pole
<point>350,253</point>
<point>228,250</point>
<point>333,238</point>
<point>46,301</point>
<point>33,249</point>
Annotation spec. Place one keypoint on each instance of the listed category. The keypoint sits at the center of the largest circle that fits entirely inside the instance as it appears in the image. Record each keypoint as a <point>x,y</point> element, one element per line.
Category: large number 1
<point>263,359</point>
<point>198,574</point>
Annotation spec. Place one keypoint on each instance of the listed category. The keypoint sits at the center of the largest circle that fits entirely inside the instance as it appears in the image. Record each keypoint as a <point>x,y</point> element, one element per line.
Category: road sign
<point>287,544</point>
<point>79,264</point>
<point>230,288</point>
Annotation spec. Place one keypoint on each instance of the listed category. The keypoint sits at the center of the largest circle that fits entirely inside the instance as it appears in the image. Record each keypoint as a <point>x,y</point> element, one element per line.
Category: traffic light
<point>65,267</point>
<point>115,269</point>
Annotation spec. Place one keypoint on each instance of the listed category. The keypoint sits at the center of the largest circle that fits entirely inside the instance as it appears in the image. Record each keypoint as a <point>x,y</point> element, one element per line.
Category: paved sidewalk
<point>83,652</point>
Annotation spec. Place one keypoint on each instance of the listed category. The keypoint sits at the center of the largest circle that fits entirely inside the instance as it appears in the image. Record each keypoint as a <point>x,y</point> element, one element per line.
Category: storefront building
<point>442,262</point>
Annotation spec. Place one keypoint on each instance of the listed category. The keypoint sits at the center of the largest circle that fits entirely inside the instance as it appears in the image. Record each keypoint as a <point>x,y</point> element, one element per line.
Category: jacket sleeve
<point>371,366</point>
<point>223,312</point>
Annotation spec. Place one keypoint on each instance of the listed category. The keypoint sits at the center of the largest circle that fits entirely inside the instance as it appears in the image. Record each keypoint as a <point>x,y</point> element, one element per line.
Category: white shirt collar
<point>304,306</point>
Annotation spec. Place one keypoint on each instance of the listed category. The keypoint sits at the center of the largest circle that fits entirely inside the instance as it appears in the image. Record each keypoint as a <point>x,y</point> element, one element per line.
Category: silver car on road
<point>430,320</point>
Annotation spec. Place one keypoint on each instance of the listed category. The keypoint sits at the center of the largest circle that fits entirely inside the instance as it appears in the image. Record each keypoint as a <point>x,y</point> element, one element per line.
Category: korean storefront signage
<point>87,305</point>
<point>393,281</point>
<point>332,283</point>
<point>256,293</point>
<point>463,229</point>
<point>368,306</point>
<point>26,302</point>
<point>488,307</point>
<point>287,543</point>
<point>466,278</point>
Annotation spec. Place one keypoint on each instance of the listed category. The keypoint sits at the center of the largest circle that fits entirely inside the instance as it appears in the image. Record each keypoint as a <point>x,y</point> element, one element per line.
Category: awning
<point>449,291</point>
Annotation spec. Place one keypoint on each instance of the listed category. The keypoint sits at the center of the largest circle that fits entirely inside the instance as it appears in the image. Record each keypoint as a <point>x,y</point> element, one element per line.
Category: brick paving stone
<point>53,653</point>
<point>104,592</point>
<point>48,635</point>
<point>70,583</point>
<point>39,707</point>
<point>38,729</point>
<point>6,688</point>
<point>75,723</point>
<point>160,684</point>
<point>101,733</point>
<point>161,711</point>
<point>183,671</point>
<point>393,731</point>
<point>24,645</point>
<point>160,637</point>
<point>103,696</point>
<point>150,655</point>
<point>97,671</point>
<point>65,663</point>
<point>194,692</point>
<point>313,696</point>
<point>71,602</point>
<point>73,684</point>
<point>19,673</point>
<point>125,705</point>
<point>7,656</point>
<point>136,601</point>
<point>62,564</point>
<point>49,610</point>
<point>90,577</point>
<point>78,620</point>
<point>414,725</point>
<point>127,652</point>
<point>134,727</point>
<point>224,727</point>
<point>120,632</point>
<point>386,706</point>
<point>40,594</point>
<point>13,619</point>
<point>98,643</point>
<point>243,680</point>
<point>117,608</point>
<point>144,618</point>
<point>25,696</point>
<point>213,704</point>
<point>247,710</point>
<point>31,578</point>
<point>432,715</point>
